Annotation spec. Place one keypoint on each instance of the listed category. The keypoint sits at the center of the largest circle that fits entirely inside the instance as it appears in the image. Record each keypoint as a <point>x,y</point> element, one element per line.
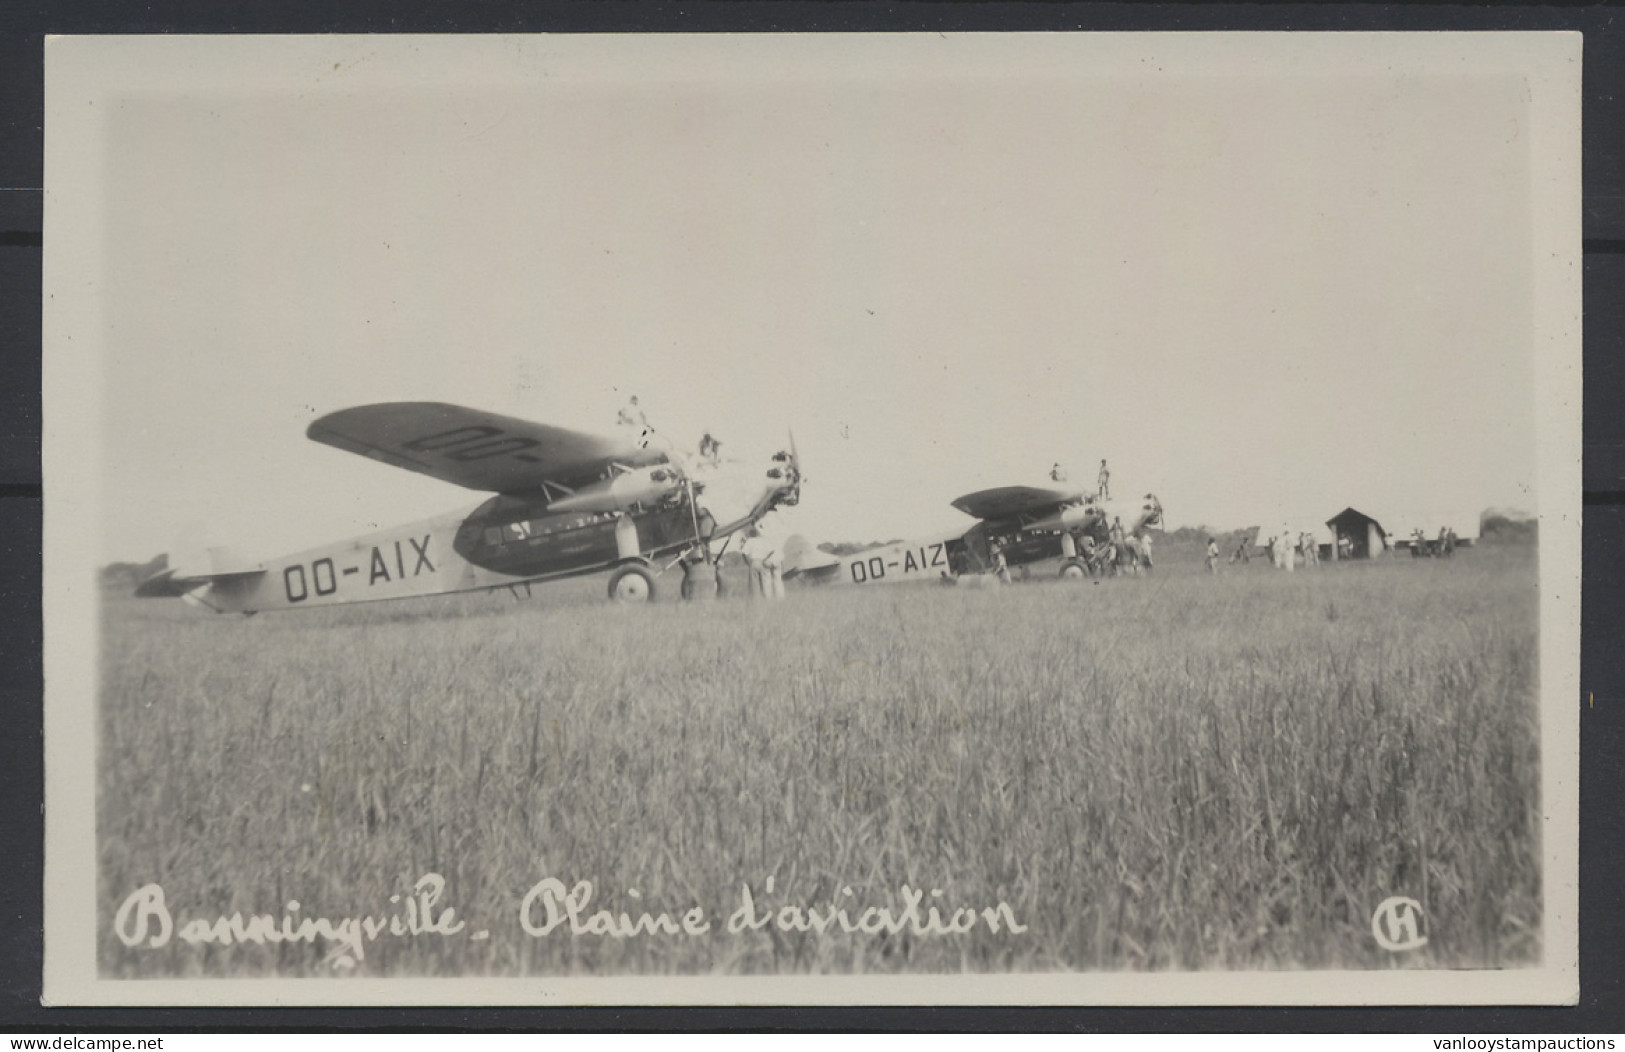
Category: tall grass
<point>1171,772</point>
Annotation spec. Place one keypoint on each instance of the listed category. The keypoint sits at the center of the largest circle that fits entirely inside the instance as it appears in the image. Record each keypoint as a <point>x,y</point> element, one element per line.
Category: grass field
<point>1170,772</point>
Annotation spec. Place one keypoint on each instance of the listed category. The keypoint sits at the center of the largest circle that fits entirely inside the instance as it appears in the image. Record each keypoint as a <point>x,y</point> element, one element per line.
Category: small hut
<point>1356,535</point>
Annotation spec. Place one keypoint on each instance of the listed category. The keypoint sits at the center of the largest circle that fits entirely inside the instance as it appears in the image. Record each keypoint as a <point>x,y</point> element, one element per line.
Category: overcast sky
<point>1282,282</point>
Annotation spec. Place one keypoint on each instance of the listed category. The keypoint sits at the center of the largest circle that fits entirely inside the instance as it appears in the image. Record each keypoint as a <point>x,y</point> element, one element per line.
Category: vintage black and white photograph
<point>954,518</point>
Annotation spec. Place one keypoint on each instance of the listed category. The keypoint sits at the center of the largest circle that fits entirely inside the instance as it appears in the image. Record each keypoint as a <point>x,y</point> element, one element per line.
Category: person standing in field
<point>690,559</point>
<point>702,575</point>
<point>766,571</point>
<point>1001,568</point>
<point>722,586</point>
<point>1143,542</point>
<point>1212,556</point>
<point>1289,555</point>
<point>1241,555</point>
<point>774,566</point>
<point>750,550</point>
<point>1089,552</point>
<point>1103,484</point>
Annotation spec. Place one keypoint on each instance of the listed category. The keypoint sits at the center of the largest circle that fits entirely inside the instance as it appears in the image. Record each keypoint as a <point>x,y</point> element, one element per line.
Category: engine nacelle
<point>1077,517</point>
<point>647,485</point>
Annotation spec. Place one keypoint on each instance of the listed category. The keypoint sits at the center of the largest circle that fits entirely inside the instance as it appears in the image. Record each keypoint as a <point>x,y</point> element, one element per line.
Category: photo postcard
<point>1047,518</point>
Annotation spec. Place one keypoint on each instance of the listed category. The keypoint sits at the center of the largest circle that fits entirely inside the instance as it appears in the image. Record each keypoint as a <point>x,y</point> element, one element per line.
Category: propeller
<point>790,494</point>
<point>795,468</point>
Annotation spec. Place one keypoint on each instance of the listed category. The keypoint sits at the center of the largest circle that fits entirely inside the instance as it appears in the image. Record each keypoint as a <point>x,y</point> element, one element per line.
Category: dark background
<point>23,25</point>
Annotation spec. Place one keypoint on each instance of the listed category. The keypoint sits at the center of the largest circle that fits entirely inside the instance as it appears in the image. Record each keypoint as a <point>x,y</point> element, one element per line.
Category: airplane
<point>1027,523</point>
<point>564,504</point>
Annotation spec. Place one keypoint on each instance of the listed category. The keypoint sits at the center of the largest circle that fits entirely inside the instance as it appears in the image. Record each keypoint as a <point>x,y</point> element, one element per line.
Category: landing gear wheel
<point>1074,570</point>
<point>631,584</point>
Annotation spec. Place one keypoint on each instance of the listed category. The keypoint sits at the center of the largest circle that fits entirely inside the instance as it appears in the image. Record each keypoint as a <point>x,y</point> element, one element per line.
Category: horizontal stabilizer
<point>211,562</point>
<point>801,557</point>
<point>195,575</point>
<point>162,585</point>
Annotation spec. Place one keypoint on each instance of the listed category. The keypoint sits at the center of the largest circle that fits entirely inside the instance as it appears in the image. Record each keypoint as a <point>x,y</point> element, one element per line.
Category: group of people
<point>1119,551</point>
<point>633,422</point>
<point>764,562</point>
<point>1103,481</point>
<point>702,573</point>
<point>1442,548</point>
<point>1285,548</point>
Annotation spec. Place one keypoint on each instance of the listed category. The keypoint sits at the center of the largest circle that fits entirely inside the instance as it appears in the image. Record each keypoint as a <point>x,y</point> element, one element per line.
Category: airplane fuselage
<point>1023,539</point>
<point>505,540</point>
<point>943,555</point>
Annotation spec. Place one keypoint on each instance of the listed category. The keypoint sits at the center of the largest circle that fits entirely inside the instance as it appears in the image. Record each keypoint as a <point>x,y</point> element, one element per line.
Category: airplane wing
<point>1004,501</point>
<point>474,449</point>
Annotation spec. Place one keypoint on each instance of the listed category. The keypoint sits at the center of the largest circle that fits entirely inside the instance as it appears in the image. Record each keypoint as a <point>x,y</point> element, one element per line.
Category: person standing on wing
<point>1104,482</point>
<point>710,450</point>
